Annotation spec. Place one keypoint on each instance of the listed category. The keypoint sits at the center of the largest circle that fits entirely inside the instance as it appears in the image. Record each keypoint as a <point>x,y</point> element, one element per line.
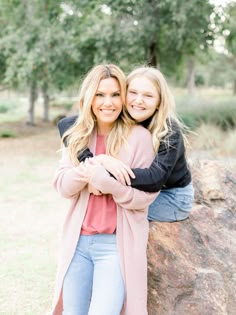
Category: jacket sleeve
<point>153,178</point>
<point>67,177</point>
<point>127,196</point>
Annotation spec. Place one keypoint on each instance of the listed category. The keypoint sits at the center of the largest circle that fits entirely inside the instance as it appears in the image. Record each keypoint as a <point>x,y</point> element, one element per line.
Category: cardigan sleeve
<point>67,177</point>
<point>128,197</point>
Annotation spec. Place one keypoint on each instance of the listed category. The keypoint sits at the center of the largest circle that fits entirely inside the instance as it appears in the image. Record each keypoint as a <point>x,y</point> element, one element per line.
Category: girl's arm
<point>126,196</point>
<point>153,178</point>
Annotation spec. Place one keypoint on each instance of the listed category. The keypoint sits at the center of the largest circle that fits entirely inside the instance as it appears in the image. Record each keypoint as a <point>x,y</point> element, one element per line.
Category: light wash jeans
<point>93,284</point>
<point>172,204</point>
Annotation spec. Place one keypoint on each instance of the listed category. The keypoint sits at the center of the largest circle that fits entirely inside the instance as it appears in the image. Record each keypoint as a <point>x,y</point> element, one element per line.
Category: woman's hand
<point>93,190</point>
<point>87,169</point>
<point>117,168</point>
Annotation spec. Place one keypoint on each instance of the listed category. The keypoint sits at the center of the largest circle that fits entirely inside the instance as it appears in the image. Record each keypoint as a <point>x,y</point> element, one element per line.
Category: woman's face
<point>107,104</point>
<point>142,99</point>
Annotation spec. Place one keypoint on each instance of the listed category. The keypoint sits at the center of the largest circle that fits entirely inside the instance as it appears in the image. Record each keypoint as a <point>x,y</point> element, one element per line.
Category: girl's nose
<point>139,98</point>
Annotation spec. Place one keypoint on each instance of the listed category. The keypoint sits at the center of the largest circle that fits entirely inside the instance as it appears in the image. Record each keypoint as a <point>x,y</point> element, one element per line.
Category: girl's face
<point>142,99</point>
<point>107,104</point>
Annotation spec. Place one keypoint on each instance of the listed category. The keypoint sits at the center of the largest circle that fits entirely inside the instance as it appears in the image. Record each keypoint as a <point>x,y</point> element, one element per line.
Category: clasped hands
<point>121,171</point>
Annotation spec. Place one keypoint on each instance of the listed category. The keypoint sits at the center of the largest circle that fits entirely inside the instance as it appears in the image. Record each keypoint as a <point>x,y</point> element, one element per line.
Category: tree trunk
<point>32,99</point>
<point>191,77</point>
<point>45,102</point>
<point>151,54</point>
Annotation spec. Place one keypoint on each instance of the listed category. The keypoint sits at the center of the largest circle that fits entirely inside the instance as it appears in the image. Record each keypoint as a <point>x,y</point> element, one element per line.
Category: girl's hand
<point>117,168</point>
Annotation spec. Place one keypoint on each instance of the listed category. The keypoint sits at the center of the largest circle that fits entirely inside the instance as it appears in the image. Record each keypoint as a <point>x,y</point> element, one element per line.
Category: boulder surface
<point>192,264</point>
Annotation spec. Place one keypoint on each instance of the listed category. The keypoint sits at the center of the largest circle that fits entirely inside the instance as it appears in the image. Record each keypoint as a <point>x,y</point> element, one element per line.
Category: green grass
<point>31,214</point>
<point>7,134</point>
<point>7,105</point>
<point>12,108</point>
<point>207,108</point>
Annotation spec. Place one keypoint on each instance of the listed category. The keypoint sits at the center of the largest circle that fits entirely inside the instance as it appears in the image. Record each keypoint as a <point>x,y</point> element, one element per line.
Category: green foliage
<point>61,103</point>
<point>173,29</point>
<point>3,109</point>
<point>199,80</point>
<point>54,42</point>
<point>7,134</point>
<point>38,44</point>
<point>230,39</point>
<point>6,106</point>
<point>196,111</point>
<point>230,24</point>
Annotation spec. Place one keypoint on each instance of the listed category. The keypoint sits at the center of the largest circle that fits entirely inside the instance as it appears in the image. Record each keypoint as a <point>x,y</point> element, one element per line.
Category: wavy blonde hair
<point>161,122</point>
<point>78,135</point>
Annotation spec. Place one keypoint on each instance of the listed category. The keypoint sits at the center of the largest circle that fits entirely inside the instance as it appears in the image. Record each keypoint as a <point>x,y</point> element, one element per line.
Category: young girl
<point>102,267</point>
<point>150,103</point>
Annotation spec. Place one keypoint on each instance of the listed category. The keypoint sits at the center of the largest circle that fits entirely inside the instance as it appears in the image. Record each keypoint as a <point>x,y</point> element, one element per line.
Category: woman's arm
<point>126,196</point>
<point>67,180</point>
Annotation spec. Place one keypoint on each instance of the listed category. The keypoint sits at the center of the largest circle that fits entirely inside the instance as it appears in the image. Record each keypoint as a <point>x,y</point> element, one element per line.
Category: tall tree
<point>39,47</point>
<point>164,33</point>
<point>229,31</point>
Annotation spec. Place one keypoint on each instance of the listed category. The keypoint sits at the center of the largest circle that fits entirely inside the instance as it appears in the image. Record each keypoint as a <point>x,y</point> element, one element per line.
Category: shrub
<point>66,104</point>
<point>7,134</point>
<point>3,109</point>
<point>221,114</point>
<point>6,106</point>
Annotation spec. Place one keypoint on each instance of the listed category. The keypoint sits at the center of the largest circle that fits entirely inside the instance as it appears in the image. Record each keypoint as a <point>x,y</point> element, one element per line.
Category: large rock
<point>192,264</point>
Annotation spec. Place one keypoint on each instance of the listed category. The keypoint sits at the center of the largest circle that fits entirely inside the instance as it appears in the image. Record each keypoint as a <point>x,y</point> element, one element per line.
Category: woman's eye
<point>133,92</point>
<point>148,95</point>
<point>116,94</point>
<point>99,94</point>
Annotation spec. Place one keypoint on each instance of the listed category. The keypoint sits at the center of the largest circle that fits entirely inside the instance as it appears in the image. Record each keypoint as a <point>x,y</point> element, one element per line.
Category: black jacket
<point>168,170</point>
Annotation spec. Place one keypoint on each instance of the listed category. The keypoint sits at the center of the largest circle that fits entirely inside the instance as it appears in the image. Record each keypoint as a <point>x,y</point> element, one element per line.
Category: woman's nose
<point>108,101</point>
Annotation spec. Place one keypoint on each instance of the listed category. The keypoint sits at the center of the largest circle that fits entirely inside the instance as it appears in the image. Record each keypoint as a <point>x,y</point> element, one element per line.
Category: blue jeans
<point>93,284</point>
<point>172,204</point>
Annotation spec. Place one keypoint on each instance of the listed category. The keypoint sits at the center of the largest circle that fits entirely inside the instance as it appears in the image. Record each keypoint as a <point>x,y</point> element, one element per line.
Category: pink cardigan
<point>132,224</point>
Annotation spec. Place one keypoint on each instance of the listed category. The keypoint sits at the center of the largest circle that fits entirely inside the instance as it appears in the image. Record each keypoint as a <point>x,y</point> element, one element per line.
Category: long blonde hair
<point>161,123</point>
<point>78,135</point>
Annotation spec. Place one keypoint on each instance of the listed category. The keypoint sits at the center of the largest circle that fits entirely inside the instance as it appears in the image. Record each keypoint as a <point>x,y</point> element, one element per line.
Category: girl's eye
<point>148,95</point>
<point>99,94</point>
<point>116,94</point>
<point>133,92</point>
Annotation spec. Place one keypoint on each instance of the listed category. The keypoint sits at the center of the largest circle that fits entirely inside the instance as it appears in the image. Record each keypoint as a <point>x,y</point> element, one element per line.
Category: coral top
<point>101,213</point>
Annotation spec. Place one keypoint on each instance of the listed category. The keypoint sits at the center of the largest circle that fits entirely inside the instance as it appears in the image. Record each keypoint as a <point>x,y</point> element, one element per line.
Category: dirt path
<point>31,214</point>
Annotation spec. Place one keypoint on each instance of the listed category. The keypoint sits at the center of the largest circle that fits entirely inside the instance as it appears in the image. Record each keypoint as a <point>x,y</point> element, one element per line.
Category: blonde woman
<point>150,103</point>
<point>102,267</point>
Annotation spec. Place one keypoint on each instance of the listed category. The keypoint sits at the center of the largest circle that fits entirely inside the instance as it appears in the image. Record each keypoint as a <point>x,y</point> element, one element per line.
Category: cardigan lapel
<point>93,141</point>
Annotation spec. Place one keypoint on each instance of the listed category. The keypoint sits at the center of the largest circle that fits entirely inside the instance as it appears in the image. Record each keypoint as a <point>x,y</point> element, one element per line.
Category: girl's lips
<point>137,107</point>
